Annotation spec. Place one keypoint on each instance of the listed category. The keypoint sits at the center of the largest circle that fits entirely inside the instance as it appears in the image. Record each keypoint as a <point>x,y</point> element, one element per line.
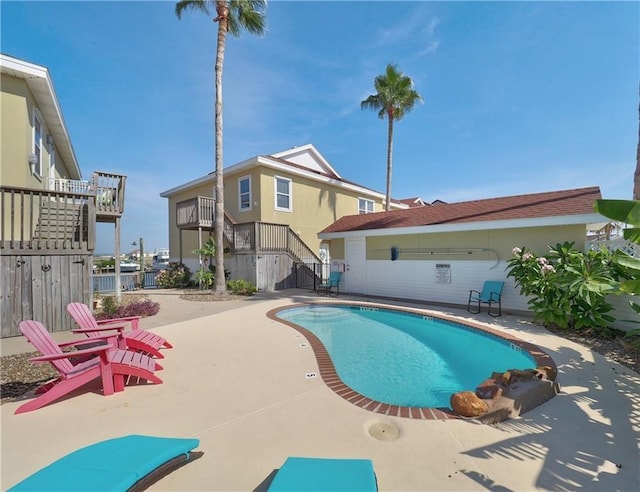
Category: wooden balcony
<point>250,237</point>
<point>108,189</point>
<point>61,219</point>
<point>195,213</point>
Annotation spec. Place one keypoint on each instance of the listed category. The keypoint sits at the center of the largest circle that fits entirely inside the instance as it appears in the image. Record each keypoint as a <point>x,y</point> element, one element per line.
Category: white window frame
<point>36,169</point>
<point>276,193</point>
<point>240,181</point>
<point>363,208</point>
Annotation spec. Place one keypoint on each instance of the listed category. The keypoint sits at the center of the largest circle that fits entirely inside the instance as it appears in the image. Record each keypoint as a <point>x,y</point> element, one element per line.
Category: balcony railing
<point>108,189</point>
<point>70,185</point>
<point>196,212</point>
<point>46,221</point>
<point>199,212</point>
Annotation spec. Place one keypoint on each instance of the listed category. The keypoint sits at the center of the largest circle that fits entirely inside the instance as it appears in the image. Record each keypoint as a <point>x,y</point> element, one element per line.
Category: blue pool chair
<point>491,294</point>
<point>325,475</point>
<point>129,463</point>
<point>333,282</point>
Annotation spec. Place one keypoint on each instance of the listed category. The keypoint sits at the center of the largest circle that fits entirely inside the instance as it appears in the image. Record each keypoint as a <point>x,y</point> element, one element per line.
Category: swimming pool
<point>404,358</point>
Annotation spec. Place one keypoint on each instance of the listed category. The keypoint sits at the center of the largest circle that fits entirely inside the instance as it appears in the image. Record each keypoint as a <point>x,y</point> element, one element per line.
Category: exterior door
<point>355,266</point>
<point>39,287</point>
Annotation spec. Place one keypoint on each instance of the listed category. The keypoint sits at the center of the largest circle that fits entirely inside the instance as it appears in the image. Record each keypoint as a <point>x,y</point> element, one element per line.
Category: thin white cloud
<point>418,28</point>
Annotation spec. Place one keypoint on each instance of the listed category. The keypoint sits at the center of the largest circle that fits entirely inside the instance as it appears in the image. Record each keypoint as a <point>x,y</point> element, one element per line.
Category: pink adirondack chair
<point>109,363</point>
<point>134,339</point>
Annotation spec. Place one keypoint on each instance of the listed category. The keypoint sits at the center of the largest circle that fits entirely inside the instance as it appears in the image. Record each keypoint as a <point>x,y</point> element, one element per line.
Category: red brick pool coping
<point>332,380</point>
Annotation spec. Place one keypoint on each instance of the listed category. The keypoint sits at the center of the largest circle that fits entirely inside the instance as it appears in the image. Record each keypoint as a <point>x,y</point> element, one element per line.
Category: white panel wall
<point>623,313</point>
<point>417,280</point>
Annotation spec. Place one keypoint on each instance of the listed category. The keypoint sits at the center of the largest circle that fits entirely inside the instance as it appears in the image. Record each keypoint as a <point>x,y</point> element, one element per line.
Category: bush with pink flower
<point>176,276</point>
<point>566,288</point>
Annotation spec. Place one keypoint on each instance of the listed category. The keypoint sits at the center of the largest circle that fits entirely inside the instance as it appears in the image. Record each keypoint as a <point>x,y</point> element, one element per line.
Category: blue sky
<point>519,97</point>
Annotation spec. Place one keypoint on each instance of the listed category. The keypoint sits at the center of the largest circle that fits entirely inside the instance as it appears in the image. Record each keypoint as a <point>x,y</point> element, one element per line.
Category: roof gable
<point>533,206</point>
<point>413,202</point>
<point>308,157</point>
<point>313,167</point>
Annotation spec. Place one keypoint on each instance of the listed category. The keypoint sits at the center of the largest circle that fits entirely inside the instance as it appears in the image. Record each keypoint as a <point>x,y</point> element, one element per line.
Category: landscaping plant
<point>566,288</point>
<point>242,287</point>
<point>111,309</point>
<point>628,212</point>
<point>206,276</point>
<point>176,276</point>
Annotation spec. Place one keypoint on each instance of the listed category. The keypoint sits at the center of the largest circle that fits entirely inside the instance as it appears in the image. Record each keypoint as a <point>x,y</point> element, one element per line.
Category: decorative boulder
<point>514,375</point>
<point>467,404</point>
<point>549,373</point>
<point>489,389</point>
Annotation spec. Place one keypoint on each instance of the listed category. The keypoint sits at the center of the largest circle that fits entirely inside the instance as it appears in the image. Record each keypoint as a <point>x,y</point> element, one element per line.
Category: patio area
<point>236,380</point>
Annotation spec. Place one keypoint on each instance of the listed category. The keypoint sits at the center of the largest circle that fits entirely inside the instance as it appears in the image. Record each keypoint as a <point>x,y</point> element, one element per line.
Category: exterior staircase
<point>61,219</point>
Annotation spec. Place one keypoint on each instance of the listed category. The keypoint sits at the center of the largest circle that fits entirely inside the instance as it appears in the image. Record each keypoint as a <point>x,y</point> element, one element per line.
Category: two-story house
<point>275,205</point>
<point>48,212</point>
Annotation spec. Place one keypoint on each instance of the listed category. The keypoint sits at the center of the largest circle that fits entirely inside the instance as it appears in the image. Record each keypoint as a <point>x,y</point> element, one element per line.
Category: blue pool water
<point>406,359</point>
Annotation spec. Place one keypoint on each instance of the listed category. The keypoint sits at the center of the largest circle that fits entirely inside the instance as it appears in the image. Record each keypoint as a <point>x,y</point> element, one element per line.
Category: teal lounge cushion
<point>111,465</point>
<point>322,474</point>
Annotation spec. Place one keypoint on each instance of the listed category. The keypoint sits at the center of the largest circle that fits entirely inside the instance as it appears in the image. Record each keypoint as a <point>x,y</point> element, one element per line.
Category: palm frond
<point>197,5</point>
<point>395,94</point>
<point>248,15</point>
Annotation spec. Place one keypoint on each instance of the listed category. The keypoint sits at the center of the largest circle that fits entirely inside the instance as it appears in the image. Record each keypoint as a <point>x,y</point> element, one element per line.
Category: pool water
<point>403,358</point>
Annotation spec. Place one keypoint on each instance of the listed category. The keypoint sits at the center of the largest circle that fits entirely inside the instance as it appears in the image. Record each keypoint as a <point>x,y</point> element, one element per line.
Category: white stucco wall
<point>416,280</point>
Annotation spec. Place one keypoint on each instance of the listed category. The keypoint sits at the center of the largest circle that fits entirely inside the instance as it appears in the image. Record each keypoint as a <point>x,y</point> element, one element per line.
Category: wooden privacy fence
<point>46,244</point>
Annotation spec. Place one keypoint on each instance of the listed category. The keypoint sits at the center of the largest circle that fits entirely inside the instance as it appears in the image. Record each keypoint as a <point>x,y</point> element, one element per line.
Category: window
<point>244,193</point>
<point>365,206</point>
<point>37,145</point>
<point>283,194</point>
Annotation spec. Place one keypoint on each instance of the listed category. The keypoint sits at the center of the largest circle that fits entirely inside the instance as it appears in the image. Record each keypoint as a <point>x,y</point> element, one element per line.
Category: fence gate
<point>308,276</point>
<point>39,287</point>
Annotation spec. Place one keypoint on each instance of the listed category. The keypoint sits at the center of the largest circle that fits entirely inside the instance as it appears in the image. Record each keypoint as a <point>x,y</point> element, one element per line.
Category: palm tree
<point>636,175</point>
<point>394,99</point>
<point>232,17</point>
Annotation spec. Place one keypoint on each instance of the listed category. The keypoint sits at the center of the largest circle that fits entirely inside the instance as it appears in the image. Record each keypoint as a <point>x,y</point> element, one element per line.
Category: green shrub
<point>627,212</point>
<point>109,306</point>
<point>566,288</point>
<point>175,276</point>
<point>241,287</point>
<point>205,278</point>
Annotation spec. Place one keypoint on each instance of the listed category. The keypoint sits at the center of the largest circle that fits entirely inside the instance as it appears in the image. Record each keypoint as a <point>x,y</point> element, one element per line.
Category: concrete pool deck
<point>236,380</point>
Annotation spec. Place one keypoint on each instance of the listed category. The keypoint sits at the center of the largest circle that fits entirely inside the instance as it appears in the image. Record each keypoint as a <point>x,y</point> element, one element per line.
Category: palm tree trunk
<point>636,176</point>
<point>220,281</point>
<point>389,159</point>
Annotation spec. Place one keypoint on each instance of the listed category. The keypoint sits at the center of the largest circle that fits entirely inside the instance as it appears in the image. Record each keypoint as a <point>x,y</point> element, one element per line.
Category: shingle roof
<point>537,205</point>
<point>413,202</point>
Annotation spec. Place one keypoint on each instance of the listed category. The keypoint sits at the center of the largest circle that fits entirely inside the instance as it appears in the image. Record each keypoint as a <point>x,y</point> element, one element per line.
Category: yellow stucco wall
<point>16,102</point>
<point>501,242</point>
<point>189,238</point>
<point>17,106</point>
<point>16,137</point>
<point>314,206</point>
<point>232,196</point>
